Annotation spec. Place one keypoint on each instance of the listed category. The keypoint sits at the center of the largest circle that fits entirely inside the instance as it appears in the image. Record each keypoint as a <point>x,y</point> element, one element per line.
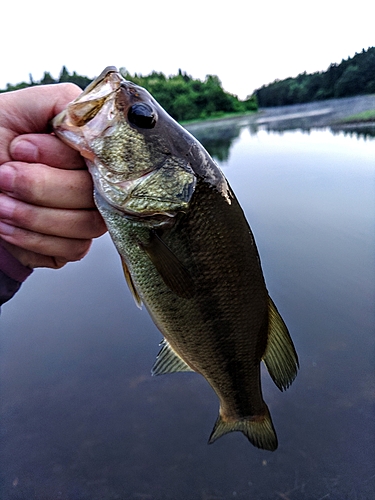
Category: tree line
<point>353,76</point>
<point>182,96</point>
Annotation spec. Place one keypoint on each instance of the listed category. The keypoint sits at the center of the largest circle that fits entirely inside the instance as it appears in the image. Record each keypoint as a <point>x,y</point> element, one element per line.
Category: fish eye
<point>142,115</point>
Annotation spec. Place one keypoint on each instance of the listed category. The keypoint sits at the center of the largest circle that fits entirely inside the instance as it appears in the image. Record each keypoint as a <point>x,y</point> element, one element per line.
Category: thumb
<point>30,110</point>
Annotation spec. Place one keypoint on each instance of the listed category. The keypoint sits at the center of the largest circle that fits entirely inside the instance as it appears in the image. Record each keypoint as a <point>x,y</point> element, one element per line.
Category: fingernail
<point>7,206</point>
<point>24,150</point>
<point>6,228</point>
<point>7,177</point>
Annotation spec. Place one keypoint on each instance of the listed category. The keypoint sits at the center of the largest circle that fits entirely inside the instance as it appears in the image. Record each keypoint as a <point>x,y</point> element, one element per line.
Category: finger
<point>59,248</point>
<point>33,259</point>
<point>39,105</point>
<point>65,223</point>
<point>46,149</point>
<point>42,185</point>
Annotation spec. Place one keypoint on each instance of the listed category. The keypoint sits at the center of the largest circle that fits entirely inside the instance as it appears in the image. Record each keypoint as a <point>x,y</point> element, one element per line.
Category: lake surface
<point>81,417</point>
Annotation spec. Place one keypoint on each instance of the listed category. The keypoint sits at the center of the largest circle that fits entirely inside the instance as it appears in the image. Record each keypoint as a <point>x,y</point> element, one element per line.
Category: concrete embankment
<point>315,114</point>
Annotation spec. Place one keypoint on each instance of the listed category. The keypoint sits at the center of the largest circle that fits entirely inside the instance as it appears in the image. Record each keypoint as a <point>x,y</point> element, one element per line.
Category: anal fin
<point>168,361</point>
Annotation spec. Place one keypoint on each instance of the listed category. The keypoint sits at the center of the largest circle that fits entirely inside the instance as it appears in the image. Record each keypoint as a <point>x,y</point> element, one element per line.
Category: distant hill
<point>353,76</point>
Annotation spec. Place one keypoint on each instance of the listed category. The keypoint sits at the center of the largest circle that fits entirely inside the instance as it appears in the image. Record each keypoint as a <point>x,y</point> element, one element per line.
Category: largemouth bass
<point>187,250</point>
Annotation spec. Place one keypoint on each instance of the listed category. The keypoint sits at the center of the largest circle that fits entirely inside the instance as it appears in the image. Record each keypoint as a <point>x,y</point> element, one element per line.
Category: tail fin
<point>258,429</point>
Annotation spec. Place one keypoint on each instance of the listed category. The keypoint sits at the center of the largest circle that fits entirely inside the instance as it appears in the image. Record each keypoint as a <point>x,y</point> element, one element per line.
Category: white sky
<point>245,43</point>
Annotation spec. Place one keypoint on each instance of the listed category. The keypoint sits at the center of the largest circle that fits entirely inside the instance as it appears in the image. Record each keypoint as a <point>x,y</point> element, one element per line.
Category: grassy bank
<point>363,117</point>
<point>218,117</point>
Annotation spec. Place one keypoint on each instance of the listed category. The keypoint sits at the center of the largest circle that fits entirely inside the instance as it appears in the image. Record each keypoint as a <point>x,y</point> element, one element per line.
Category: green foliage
<point>184,97</point>
<point>81,81</point>
<point>353,76</point>
<point>47,79</point>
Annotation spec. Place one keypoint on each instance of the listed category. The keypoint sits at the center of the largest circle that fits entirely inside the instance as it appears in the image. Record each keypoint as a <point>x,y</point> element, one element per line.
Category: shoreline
<point>328,113</point>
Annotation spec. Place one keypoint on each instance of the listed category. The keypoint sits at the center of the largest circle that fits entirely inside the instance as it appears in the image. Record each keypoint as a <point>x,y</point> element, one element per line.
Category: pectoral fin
<point>168,361</point>
<point>280,357</point>
<point>130,283</point>
<point>173,272</point>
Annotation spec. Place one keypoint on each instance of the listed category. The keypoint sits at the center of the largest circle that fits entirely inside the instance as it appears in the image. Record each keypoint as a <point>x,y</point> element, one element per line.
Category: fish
<point>187,251</point>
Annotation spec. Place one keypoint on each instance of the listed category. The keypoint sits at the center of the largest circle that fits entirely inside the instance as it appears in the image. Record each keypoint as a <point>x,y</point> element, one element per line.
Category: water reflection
<point>363,131</point>
<point>218,137</point>
<point>81,418</point>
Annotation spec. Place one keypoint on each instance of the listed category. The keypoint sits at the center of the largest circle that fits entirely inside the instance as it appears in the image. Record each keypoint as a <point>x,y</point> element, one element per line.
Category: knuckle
<point>91,224</point>
<point>98,227</point>
<point>79,250</point>
<point>23,215</point>
<point>29,183</point>
<point>20,238</point>
<point>57,263</point>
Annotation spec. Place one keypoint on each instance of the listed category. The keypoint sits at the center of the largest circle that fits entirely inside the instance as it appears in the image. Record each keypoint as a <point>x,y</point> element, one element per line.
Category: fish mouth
<point>104,88</point>
<point>105,99</point>
<point>97,98</point>
<point>108,73</point>
<point>88,104</point>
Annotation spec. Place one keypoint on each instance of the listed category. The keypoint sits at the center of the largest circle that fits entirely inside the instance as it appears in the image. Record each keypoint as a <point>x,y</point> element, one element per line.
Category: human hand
<point>47,212</point>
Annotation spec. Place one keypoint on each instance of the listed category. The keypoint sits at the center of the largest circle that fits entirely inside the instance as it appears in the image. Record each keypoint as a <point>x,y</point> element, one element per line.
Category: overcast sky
<point>245,43</point>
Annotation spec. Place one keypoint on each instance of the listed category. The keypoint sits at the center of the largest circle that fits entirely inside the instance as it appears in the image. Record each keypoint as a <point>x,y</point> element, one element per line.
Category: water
<point>82,419</point>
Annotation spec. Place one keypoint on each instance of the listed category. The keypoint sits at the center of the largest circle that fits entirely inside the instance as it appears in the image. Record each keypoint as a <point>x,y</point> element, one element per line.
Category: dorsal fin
<point>130,283</point>
<point>168,361</point>
<point>280,357</point>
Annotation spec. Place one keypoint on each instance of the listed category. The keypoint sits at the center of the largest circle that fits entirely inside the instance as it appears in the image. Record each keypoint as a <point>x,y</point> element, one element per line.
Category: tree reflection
<point>361,132</point>
<point>217,138</point>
